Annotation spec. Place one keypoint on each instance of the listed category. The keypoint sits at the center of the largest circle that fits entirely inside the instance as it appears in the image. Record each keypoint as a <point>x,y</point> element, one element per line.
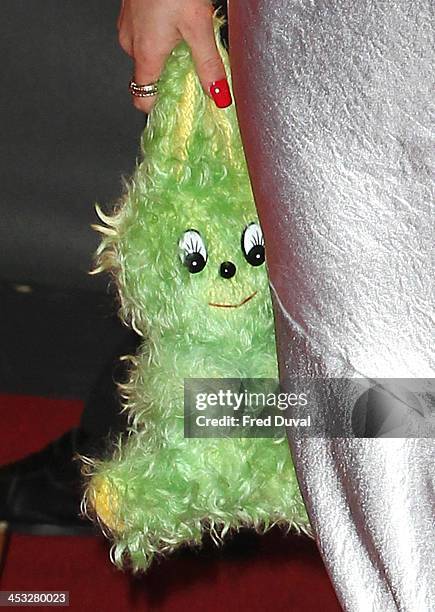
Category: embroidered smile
<point>234,305</point>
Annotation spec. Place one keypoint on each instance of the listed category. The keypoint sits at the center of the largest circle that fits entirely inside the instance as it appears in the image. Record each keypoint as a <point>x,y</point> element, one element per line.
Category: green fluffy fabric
<point>161,490</point>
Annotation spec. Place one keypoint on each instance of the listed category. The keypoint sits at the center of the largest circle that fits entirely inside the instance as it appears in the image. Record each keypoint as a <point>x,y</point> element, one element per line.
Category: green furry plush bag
<point>187,254</point>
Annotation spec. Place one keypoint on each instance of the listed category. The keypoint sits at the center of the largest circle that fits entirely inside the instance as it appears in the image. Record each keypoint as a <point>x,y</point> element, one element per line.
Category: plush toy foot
<point>41,494</point>
<point>102,498</point>
<point>151,503</point>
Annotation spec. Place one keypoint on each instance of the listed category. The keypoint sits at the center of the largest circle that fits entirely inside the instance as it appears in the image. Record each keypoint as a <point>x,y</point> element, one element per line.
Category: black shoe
<point>41,494</point>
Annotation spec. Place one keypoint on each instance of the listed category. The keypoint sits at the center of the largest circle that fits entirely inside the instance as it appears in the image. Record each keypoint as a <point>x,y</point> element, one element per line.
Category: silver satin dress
<point>334,99</point>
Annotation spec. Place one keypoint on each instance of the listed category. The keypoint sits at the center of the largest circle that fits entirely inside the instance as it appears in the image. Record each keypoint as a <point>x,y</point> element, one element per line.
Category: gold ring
<point>143,91</point>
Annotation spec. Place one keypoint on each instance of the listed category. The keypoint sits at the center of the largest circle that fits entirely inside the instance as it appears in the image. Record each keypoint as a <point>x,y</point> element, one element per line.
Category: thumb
<point>199,35</point>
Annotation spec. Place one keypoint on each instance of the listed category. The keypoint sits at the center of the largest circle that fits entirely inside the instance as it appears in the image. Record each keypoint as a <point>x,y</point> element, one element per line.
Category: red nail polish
<point>220,92</point>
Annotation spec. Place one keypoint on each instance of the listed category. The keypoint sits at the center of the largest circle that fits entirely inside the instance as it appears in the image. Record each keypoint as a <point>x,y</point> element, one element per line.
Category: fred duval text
<point>248,421</point>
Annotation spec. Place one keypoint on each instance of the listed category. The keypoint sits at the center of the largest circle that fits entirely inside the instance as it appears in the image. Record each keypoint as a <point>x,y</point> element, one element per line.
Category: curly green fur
<point>164,489</point>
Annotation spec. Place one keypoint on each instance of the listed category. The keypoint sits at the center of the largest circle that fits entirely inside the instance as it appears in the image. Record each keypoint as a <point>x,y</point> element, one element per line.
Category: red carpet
<point>274,573</point>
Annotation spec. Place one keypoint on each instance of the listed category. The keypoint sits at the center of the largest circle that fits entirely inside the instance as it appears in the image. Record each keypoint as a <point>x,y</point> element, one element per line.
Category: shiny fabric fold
<point>335,101</point>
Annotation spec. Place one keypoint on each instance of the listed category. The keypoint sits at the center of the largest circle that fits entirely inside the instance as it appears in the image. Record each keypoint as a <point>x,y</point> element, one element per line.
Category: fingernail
<point>220,92</point>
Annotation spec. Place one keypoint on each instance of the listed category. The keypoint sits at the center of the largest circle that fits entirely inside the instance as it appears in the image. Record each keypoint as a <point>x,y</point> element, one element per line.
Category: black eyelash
<point>257,239</point>
<point>194,246</point>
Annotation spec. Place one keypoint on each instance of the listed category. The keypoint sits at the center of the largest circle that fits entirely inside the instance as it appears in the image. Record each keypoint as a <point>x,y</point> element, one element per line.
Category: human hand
<point>150,29</point>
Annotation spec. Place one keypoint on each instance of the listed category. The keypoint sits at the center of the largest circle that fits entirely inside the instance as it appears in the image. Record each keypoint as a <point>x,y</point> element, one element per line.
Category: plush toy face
<point>223,256</point>
<point>196,264</point>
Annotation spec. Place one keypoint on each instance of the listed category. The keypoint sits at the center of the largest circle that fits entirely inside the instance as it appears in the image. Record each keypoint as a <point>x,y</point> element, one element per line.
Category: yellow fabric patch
<point>105,502</point>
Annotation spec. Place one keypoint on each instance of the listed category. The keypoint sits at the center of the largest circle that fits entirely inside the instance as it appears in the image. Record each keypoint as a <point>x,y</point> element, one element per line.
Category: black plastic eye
<point>256,255</point>
<point>253,244</point>
<point>194,262</point>
<point>227,269</point>
<point>193,253</point>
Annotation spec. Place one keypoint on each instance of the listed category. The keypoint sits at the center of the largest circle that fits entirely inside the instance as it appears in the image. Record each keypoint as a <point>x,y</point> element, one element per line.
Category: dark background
<point>68,134</point>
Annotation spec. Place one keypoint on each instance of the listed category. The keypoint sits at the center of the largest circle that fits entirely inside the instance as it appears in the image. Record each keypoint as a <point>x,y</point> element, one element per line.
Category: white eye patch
<point>252,237</point>
<point>193,252</point>
<point>191,242</point>
<point>253,245</point>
